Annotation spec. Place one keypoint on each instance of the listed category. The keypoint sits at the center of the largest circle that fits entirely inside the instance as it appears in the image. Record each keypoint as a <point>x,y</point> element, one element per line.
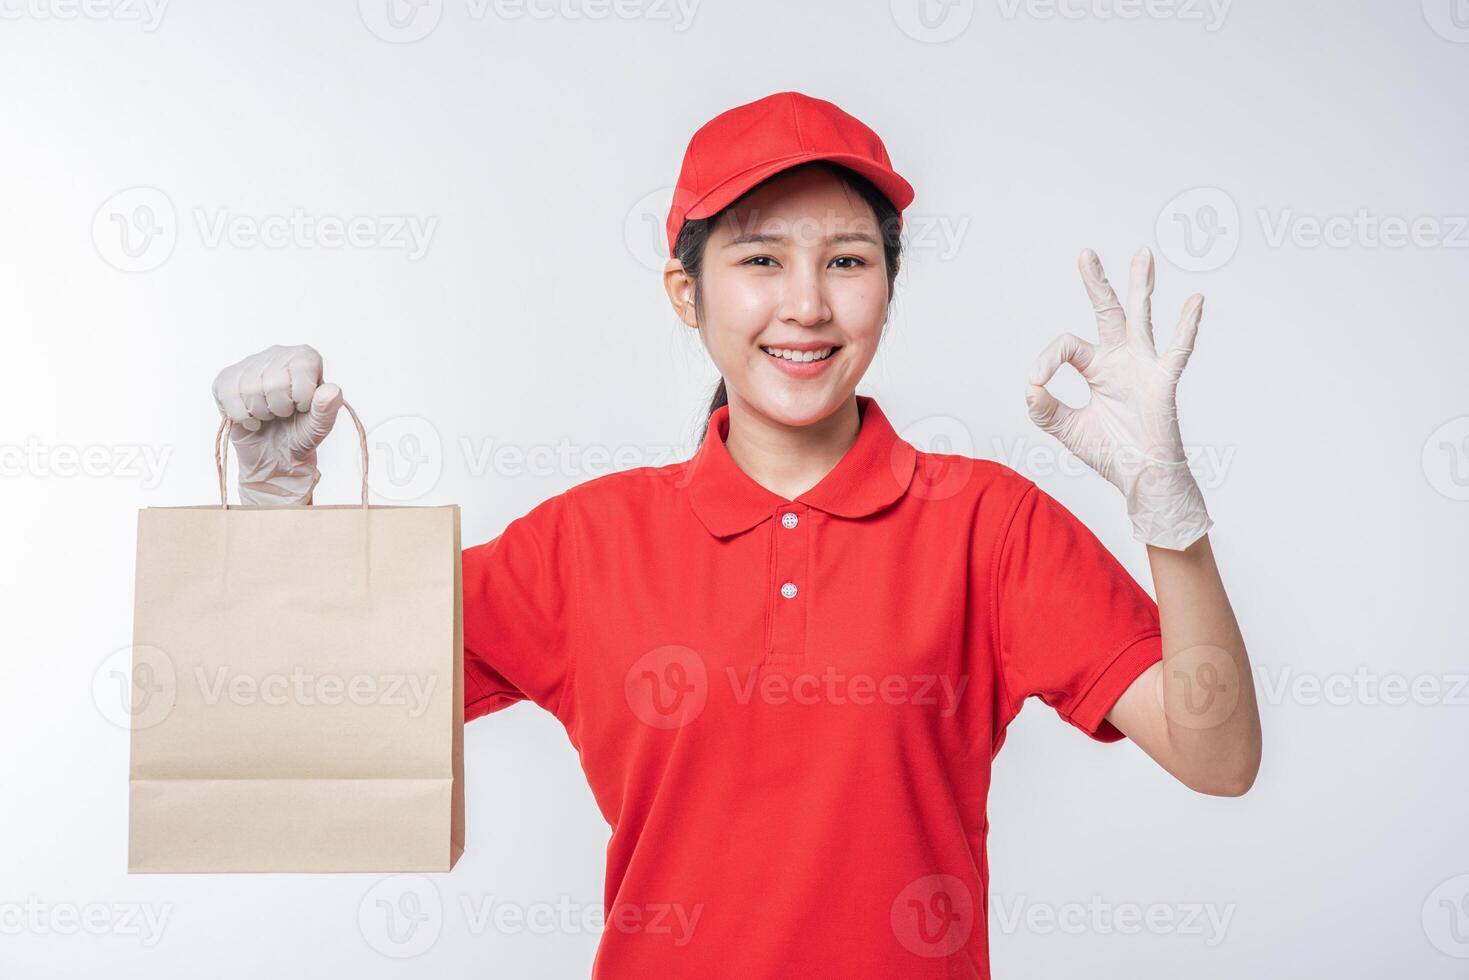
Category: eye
<point>860,261</point>
<point>755,258</point>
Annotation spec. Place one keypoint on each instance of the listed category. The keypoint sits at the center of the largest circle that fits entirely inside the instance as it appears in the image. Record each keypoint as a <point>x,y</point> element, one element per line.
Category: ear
<point>680,288</point>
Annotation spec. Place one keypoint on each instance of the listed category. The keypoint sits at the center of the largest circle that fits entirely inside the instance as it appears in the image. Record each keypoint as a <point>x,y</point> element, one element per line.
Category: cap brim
<point>893,187</point>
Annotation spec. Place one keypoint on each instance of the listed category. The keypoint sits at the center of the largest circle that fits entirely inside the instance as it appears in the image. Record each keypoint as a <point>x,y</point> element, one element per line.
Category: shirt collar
<point>874,472</point>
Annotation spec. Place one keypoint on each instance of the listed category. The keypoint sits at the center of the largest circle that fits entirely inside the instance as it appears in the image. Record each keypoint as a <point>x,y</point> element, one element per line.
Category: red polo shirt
<point>786,709</point>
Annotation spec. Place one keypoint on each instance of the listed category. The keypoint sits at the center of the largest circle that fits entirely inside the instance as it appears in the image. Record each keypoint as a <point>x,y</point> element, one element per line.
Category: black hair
<point>688,248</point>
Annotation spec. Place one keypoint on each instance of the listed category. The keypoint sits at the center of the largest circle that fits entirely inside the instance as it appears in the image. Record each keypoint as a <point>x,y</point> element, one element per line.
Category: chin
<point>795,407</point>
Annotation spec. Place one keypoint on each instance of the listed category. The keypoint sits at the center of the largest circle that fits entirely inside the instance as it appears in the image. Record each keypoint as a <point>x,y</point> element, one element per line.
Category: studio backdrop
<point>461,205</point>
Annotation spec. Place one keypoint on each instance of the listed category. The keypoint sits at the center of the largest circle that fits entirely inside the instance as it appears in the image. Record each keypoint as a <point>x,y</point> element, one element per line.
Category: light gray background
<point>1328,384</point>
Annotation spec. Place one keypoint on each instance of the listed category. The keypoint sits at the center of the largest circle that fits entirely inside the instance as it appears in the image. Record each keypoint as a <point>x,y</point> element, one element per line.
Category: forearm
<point>1208,690</point>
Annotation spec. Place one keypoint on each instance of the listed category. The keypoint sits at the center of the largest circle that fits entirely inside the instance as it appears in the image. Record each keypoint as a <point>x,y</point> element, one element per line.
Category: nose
<point>803,299</point>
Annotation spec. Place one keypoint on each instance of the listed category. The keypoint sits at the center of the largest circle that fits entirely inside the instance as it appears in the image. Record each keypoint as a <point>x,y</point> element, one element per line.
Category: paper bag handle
<point>221,454</point>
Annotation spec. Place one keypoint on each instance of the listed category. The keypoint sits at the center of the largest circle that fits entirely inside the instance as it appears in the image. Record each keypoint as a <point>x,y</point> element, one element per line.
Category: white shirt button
<point>789,520</point>
<point>788,590</point>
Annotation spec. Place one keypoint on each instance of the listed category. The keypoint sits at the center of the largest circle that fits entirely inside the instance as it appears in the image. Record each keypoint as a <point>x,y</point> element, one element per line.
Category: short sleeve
<point>517,593</point>
<point>1072,626</point>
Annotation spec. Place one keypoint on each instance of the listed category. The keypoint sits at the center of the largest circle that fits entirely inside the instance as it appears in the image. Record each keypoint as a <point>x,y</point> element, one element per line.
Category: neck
<point>788,460</point>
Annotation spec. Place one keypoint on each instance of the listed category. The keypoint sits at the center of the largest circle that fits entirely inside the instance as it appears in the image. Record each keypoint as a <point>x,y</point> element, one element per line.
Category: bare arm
<point>1196,711</point>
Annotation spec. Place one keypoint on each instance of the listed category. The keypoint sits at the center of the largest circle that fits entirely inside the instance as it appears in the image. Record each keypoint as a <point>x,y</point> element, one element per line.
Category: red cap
<point>739,148</point>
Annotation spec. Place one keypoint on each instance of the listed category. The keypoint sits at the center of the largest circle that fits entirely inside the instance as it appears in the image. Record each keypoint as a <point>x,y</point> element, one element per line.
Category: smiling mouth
<point>801,356</point>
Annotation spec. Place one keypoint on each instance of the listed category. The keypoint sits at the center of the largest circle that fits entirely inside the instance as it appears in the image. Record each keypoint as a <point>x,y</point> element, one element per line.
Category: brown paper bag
<point>298,699</point>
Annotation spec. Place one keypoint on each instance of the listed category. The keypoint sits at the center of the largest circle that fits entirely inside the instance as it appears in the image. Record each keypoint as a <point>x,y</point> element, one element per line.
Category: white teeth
<point>800,356</point>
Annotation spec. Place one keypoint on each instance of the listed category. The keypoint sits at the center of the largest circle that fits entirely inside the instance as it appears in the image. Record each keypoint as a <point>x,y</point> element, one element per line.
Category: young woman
<point>787,662</point>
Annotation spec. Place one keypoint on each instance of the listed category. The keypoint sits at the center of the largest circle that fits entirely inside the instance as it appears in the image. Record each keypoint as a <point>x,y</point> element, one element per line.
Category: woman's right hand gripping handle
<point>279,412</point>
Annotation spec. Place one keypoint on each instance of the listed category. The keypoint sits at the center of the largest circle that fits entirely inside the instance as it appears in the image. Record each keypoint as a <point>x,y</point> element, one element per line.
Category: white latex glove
<point>280,411</point>
<point>1128,430</point>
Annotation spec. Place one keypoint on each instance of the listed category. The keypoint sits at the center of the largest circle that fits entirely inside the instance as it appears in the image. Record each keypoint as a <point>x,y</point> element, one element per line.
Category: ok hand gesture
<point>1128,430</point>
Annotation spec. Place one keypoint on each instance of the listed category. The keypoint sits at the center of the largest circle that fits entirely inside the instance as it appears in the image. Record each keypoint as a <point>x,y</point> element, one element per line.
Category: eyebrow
<point>761,238</point>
